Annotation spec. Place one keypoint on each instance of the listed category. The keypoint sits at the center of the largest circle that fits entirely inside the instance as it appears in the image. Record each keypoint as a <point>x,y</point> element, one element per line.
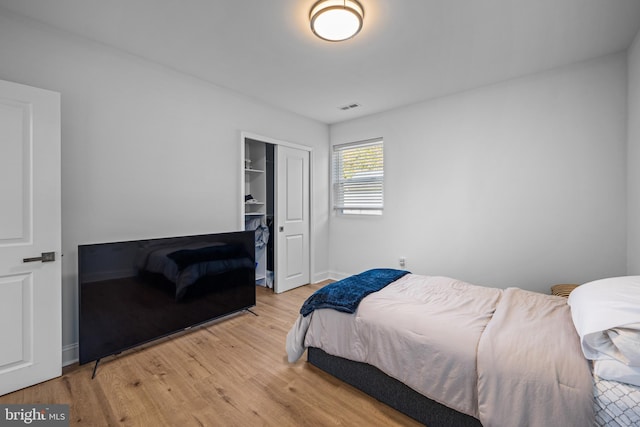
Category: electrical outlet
<point>403,261</point>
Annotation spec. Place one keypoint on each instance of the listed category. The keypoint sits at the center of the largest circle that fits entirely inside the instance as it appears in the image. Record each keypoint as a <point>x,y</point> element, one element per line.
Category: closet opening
<point>276,205</point>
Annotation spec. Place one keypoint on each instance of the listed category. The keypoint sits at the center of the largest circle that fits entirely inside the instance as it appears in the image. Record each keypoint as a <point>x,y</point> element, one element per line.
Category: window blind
<point>358,176</point>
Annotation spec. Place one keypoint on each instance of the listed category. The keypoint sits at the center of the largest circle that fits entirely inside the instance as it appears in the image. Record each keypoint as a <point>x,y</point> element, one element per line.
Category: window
<point>358,175</point>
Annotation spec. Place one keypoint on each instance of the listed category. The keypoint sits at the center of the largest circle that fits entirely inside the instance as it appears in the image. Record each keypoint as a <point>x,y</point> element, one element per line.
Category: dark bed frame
<point>390,391</point>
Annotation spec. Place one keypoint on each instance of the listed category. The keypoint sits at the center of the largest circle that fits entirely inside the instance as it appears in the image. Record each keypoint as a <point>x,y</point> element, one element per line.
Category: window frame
<point>369,208</point>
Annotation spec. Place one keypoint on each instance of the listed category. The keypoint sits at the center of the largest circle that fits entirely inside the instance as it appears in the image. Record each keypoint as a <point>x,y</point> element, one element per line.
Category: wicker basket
<point>563,290</point>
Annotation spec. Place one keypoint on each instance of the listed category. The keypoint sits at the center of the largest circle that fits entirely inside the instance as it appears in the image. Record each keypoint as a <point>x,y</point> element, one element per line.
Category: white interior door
<point>292,218</point>
<point>30,224</point>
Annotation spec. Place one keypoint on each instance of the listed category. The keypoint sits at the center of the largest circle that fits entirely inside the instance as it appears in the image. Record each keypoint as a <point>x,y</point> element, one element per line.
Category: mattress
<point>617,404</point>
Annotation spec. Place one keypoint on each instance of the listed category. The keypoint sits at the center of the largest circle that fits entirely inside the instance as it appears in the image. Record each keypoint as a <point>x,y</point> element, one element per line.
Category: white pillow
<point>606,309</point>
<point>627,341</point>
<point>613,370</point>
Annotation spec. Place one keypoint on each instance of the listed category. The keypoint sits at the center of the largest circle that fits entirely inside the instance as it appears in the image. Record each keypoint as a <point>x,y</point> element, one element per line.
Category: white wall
<point>146,151</point>
<point>633,159</point>
<point>516,184</point>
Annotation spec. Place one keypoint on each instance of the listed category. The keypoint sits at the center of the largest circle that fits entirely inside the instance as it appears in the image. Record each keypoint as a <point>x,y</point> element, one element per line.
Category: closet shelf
<point>256,172</point>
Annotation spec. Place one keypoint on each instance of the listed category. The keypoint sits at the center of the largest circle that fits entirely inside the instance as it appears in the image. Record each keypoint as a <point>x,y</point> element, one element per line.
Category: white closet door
<point>292,218</point>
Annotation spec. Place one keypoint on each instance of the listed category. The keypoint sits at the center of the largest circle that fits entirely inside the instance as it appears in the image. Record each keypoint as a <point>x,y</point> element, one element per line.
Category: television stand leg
<point>251,312</point>
<point>95,368</point>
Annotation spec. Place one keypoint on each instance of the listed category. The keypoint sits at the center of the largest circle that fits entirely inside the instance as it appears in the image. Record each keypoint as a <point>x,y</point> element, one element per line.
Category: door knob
<point>44,257</point>
<point>281,229</point>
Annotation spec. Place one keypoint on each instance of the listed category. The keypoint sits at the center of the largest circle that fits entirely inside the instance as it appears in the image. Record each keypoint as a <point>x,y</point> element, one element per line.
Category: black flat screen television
<point>131,293</point>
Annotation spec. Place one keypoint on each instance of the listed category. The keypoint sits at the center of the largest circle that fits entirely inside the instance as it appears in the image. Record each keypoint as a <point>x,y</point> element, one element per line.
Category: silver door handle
<point>44,257</point>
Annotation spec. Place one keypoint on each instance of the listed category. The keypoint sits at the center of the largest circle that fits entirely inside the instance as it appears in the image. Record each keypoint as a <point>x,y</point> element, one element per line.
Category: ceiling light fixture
<point>336,20</point>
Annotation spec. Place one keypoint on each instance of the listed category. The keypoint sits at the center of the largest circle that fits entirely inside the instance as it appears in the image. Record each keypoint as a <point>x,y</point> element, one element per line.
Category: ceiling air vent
<point>349,107</point>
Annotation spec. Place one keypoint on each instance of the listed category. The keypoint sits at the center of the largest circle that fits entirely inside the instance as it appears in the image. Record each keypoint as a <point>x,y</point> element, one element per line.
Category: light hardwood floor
<point>233,372</point>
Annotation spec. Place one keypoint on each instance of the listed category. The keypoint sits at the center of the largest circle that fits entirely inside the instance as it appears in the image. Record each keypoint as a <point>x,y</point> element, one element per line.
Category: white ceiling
<point>408,50</point>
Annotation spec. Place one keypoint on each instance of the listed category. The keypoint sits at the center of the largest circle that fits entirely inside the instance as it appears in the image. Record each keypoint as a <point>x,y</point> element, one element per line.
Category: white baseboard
<point>334,275</point>
<point>330,275</point>
<point>321,277</point>
<point>70,354</point>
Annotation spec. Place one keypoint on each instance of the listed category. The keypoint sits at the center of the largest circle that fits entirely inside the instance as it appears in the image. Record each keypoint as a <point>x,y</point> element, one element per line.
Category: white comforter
<point>484,352</point>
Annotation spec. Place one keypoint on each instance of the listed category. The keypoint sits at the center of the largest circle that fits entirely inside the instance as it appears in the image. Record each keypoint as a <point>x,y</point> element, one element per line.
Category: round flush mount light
<point>336,20</point>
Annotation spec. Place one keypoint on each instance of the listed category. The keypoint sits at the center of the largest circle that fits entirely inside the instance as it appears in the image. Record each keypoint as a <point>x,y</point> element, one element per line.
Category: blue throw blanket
<point>346,294</point>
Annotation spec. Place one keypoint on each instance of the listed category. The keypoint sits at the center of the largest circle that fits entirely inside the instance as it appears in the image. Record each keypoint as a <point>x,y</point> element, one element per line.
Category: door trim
<point>240,191</point>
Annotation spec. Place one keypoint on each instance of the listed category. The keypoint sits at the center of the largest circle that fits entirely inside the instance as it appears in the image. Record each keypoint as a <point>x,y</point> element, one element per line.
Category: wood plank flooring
<point>232,372</point>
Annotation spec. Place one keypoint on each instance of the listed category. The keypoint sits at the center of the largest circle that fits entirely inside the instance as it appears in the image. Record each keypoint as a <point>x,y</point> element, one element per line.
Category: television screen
<point>134,292</point>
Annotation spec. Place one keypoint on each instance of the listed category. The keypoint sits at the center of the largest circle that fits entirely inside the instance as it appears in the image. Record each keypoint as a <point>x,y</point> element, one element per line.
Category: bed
<point>184,261</point>
<point>457,354</point>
